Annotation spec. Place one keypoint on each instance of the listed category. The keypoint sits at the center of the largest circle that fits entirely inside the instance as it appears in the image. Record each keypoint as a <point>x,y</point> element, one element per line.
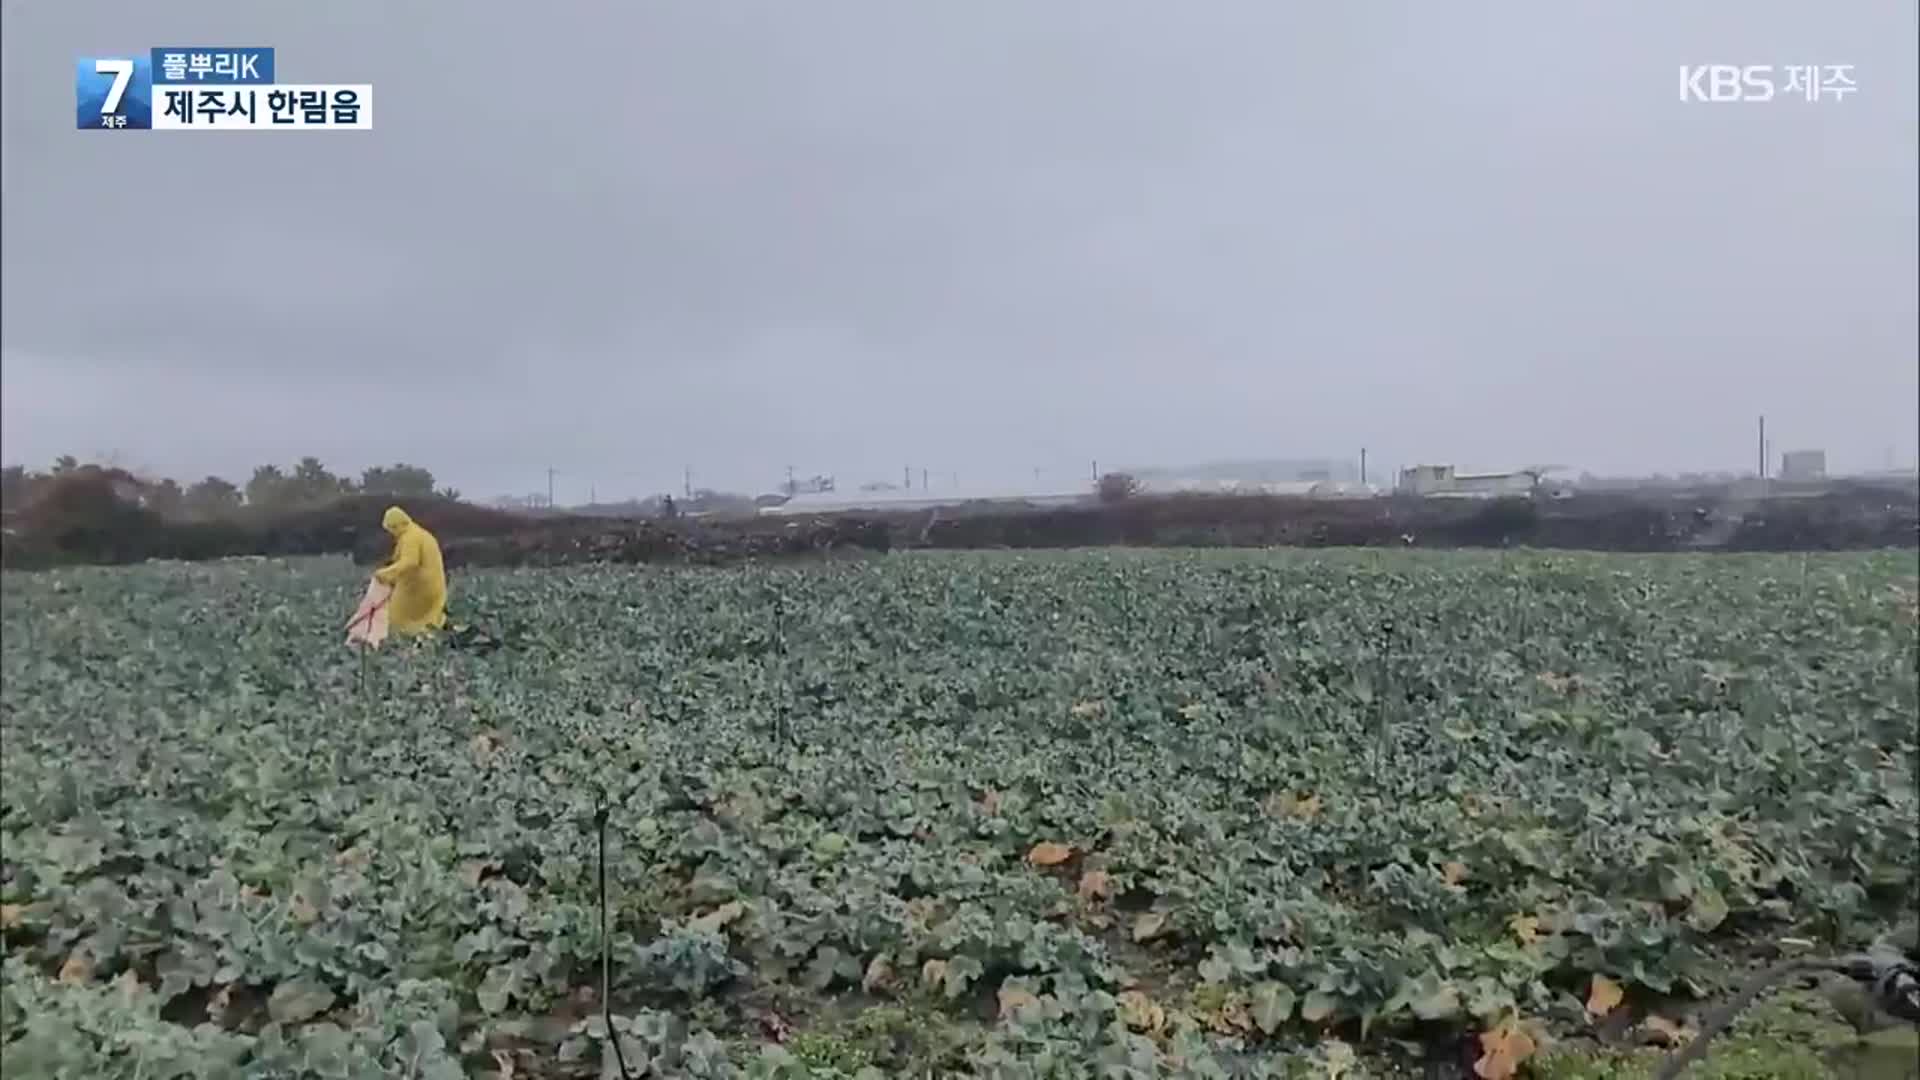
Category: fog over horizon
<point>853,236</point>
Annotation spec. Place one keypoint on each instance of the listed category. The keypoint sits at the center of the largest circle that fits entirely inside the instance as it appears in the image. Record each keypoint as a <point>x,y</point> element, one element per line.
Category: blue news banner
<point>210,89</point>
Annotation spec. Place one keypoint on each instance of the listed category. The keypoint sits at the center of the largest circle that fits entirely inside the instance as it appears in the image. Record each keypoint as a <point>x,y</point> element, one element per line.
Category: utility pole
<point>923,478</point>
<point>1096,470</point>
<point>790,488</point>
<point>1363,466</point>
<point>687,482</point>
<point>550,472</point>
<point>1763,456</point>
<point>906,477</point>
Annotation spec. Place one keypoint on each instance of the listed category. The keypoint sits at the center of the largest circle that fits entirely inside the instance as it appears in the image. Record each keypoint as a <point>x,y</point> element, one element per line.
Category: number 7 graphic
<point>122,72</point>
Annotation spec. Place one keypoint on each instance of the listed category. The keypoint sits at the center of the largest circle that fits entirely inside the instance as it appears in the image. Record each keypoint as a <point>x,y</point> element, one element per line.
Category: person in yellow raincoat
<point>418,577</point>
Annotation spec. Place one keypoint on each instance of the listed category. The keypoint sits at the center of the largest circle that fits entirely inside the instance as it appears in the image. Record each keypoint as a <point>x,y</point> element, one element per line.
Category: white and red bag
<point>369,623</point>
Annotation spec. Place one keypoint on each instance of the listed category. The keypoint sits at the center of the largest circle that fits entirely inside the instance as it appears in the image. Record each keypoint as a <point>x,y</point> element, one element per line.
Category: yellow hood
<point>395,520</point>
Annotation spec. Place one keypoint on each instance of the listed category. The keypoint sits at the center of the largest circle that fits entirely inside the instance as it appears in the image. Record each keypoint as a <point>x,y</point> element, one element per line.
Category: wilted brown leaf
<point>484,744</point>
<point>79,967</point>
<point>775,1026</point>
<point>1149,926</point>
<point>1454,872</point>
<point>1288,804</point>
<point>1525,927</point>
<point>1085,709</point>
<point>504,1059</point>
<point>11,915</point>
<point>1907,601</point>
<point>129,984</point>
<point>1048,853</point>
<point>221,1000</point>
<point>1502,1049</point>
<point>1669,1033</point>
<point>1339,1058</point>
<point>714,920</point>
<point>1013,999</point>
<point>472,870</point>
<point>879,974</point>
<point>1140,1012</point>
<point>1558,683</point>
<point>933,973</point>
<point>1603,996</point>
<point>1095,884</point>
<point>1231,1018</point>
<point>301,910</point>
<point>354,858</point>
<point>990,801</point>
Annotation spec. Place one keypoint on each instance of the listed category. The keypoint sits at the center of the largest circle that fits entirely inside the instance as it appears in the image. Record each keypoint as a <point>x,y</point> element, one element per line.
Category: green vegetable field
<point>1066,814</point>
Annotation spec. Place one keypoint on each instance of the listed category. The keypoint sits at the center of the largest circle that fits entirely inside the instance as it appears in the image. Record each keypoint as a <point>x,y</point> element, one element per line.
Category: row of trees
<point>306,483</point>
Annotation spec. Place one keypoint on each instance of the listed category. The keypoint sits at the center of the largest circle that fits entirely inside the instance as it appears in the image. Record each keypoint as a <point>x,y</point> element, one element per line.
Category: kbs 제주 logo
<point>1765,82</point>
<point>207,88</point>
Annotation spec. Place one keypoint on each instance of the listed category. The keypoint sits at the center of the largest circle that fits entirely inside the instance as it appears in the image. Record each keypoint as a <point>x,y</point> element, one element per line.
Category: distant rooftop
<point>1253,471</point>
<point>1460,471</point>
<point>828,502</point>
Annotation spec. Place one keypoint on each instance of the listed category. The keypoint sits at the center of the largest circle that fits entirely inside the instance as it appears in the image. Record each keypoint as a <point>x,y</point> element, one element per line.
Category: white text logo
<point>1765,82</point>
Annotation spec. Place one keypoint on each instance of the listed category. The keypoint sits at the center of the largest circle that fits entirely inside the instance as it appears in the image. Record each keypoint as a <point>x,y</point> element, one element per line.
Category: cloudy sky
<point>984,238</point>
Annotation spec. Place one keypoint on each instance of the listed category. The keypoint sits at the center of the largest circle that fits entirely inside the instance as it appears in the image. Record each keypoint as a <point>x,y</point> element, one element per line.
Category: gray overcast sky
<point>980,237</point>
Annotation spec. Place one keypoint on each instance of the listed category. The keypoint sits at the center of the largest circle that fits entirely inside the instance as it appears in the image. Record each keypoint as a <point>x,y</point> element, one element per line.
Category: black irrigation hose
<point>1731,1009</point>
<point>1893,981</point>
<point>606,948</point>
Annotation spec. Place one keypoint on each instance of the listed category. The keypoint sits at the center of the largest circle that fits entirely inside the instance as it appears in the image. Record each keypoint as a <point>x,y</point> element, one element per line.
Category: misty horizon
<point>858,238</point>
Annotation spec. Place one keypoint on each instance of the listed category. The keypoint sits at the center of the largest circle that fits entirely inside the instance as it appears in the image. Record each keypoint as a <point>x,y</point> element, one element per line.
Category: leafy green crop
<point>1018,815</point>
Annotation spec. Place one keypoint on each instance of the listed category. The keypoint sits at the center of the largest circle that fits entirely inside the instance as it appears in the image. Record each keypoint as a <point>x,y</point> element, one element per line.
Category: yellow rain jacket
<point>418,578</point>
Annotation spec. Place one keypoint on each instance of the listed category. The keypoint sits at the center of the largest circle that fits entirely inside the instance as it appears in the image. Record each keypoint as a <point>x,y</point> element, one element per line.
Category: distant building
<point>1520,482</point>
<point>1445,480</point>
<point>1425,479</point>
<point>1803,465</point>
<point>1312,489</point>
<point>900,499</point>
<point>1255,475</point>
